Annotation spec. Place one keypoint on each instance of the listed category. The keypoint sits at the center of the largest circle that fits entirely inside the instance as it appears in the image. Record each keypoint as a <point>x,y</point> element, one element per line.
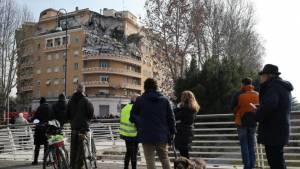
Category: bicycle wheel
<point>63,158</point>
<point>87,155</point>
<point>94,152</point>
<point>50,160</point>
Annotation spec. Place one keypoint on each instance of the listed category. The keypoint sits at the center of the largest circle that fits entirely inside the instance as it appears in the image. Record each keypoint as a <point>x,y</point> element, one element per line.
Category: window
<point>38,58</point>
<point>76,53</point>
<point>104,78</point>
<point>104,110</point>
<point>56,69</point>
<point>48,82</point>
<point>75,79</point>
<point>49,70</point>
<point>37,93</point>
<point>38,71</point>
<point>64,40</point>
<point>56,82</point>
<point>77,40</point>
<point>38,83</point>
<point>57,41</point>
<point>76,66</point>
<point>57,56</point>
<point>49,57</point>
<point>49,43</point>
<point>103,64</point>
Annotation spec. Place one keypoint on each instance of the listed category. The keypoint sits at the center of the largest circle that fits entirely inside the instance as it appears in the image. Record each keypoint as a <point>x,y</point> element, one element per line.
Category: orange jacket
<point>241,102</point>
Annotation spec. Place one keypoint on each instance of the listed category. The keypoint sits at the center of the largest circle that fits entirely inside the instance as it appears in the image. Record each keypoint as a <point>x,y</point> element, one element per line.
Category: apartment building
<point>107,52</point>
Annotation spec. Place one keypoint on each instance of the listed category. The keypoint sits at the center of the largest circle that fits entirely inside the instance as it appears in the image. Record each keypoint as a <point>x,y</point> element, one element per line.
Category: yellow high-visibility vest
<point>127,128</point>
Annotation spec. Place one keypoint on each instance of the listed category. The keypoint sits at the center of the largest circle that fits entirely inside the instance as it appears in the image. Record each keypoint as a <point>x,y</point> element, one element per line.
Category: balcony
<point>96,84</point>
<point>26,65</point>
<point>132,86</point>
<point>90,84</point>
<point>114,71</point>
<point>56,48</point>
<point>114,57</point>
<point>26,89</point>
<point>26,77</point>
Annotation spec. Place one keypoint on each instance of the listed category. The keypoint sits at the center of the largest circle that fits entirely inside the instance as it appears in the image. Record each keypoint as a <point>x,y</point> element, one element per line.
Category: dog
<point>184,163</point>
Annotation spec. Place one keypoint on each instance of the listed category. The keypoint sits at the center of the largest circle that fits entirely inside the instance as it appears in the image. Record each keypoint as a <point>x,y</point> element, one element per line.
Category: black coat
<point>185,118</point>
<point>273,113</point>
<point>60,111</point>
<point>80,111</point>
<point>44,113</point>
<point>153,117</point>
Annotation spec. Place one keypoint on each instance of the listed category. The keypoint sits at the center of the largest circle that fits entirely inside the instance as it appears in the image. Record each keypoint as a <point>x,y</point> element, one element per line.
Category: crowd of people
<point>151,120</point>
<point>78,112</point>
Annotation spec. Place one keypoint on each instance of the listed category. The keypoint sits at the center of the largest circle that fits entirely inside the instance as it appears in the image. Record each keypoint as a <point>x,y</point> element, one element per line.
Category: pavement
<point>27,165</point>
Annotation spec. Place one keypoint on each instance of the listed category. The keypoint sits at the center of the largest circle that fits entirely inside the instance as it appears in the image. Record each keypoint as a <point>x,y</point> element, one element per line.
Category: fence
<point>215,140</point>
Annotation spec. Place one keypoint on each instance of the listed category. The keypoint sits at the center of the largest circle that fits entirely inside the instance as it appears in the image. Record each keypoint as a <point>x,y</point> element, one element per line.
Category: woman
<point>185,116</point>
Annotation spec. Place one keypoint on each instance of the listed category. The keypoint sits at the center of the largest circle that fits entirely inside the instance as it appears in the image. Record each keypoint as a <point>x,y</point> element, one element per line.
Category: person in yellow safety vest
<point>128,132</point>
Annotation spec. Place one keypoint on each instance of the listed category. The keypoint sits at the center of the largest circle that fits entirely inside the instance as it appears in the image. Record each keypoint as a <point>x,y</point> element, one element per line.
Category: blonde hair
<point>188,98</point>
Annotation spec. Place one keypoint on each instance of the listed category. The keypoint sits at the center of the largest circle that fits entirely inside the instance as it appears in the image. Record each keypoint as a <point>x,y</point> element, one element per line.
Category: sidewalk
<point>27,165</point>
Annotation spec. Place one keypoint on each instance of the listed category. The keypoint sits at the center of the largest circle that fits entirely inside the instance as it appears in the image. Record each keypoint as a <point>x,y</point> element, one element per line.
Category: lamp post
<point>59,28</point>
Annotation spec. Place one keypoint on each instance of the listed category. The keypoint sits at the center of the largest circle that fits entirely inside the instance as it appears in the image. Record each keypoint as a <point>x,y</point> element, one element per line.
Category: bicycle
<point>56,156</point>
<point>89,150</point>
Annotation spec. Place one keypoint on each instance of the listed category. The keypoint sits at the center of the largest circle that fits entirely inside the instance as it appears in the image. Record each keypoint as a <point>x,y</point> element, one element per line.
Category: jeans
<point>162,152</point>
<point>275,157</point>
<point>131,154</point>
<point>247,142</point>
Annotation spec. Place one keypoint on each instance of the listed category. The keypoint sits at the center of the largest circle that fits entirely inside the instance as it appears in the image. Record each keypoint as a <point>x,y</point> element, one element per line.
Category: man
<point>43,114</point>
<point>80,111</point>
<point>154,118</point>
<point>245,120</point>
<point>128,133</point>
<point>60,110</point>
<point>273,115</point>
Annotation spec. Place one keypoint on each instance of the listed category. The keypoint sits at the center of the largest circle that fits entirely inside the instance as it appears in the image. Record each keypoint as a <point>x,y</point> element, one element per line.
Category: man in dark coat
<point>155,122</point>
<point>80,111</point>
<point>60,110</point>
<point>273,115</point>
<point>44,113</point>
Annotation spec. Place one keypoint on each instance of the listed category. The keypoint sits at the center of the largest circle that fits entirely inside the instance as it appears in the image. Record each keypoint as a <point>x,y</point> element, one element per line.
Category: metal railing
<point>215,140</point>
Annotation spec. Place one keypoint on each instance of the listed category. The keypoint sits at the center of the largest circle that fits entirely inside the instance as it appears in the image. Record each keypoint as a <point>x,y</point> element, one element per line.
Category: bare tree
<point>169,22</point>
<point>225,29</point>
<point>11,18</point>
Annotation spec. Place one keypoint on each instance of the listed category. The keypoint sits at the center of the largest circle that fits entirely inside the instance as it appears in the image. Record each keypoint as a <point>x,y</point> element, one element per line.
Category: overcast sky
<point>278,24</point>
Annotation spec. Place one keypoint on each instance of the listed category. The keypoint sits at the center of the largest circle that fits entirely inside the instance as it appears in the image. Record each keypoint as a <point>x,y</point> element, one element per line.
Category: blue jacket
<point>273,113</point>
<point>153,117</point>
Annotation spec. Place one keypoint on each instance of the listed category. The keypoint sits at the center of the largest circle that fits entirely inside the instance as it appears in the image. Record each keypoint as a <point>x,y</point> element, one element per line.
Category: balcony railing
<point>112,85</point>
<point>132,86</point>
<point>26,77</point>
<point>26,88</point>
<point>96,84</point>
<point>26,65</point>
<point>115,57</point>
<point>111,71</point>
<point>55,48</point>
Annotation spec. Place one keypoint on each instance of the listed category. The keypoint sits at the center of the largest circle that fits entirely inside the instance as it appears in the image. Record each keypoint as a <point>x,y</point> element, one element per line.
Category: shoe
<point>34,163</point>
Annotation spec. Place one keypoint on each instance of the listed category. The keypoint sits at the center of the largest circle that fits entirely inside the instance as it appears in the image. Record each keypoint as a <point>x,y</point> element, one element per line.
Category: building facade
<point>106,51</point>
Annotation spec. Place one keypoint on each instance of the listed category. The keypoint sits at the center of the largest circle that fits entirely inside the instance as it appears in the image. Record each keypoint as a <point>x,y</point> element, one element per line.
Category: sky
<point>278,24</point>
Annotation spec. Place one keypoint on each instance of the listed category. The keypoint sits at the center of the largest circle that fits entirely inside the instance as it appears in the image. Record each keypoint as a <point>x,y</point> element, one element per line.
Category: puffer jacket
<point>80,111</point>
<point>274,111</point>
<point>153,117</point>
